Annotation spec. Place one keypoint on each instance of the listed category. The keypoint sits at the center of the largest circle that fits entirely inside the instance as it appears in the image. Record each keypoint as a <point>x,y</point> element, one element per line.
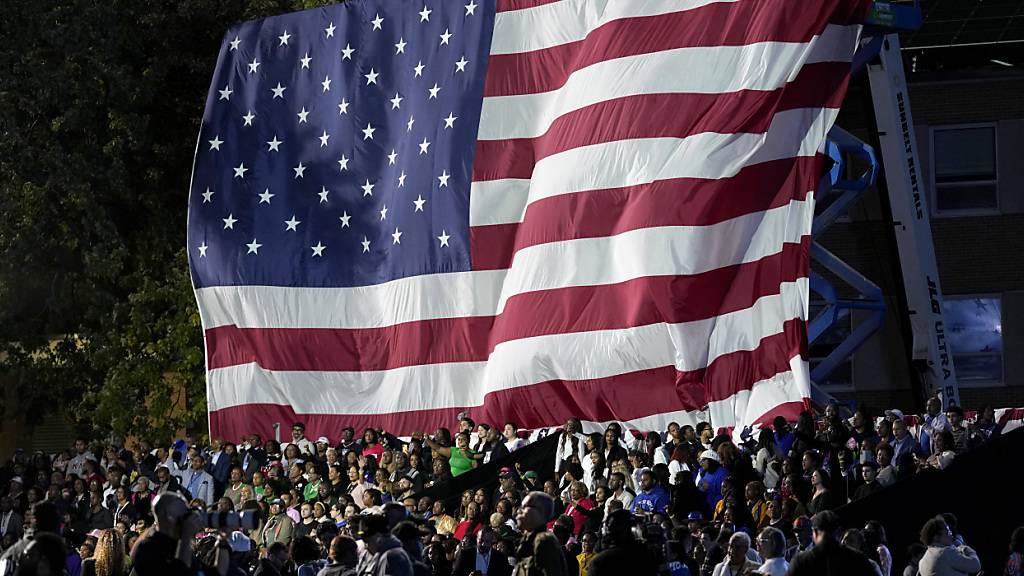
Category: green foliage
<point>100,105</point>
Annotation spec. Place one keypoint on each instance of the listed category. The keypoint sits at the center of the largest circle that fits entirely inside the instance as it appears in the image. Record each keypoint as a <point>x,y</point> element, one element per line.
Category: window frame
<point>969,384</point>
<point>936,212</point>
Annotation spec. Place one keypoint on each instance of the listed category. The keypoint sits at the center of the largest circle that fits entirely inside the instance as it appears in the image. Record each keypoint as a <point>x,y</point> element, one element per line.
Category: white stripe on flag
<point>608,260</point>
<point>709,155</point>
<point>513,364</point>
<point>759,66</point>
<point>571,20</point>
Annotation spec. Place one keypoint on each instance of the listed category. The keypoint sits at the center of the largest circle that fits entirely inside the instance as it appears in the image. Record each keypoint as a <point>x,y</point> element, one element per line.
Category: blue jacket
<point>656,500</point>
<point>713,491</point>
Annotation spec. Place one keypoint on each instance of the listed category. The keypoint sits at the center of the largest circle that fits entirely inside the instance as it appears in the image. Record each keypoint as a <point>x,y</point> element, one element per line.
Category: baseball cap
<point>694,516</point>
<point>710,455</point>
<point>277,501</point>
<point>506,472</point>
<point>530,474</point>
<point>895,413</point>
<point>18,480</point>
<point>323,440</point>
<point>239,542</point>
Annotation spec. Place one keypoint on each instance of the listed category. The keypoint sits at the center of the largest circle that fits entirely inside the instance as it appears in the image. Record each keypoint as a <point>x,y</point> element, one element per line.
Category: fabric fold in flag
<point>528,209</point>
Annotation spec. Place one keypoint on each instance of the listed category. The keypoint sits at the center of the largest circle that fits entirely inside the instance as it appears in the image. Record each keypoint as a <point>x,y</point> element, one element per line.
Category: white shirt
<point>626,498</point>
<point>76,464</point>
<point>674,467</point>
<point>774,567</point>
<point>514,445</point>
<point>564,448</point>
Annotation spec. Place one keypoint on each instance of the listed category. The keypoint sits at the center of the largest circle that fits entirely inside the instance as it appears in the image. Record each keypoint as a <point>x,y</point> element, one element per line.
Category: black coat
<point>465,564</point>
<point>831,559</point>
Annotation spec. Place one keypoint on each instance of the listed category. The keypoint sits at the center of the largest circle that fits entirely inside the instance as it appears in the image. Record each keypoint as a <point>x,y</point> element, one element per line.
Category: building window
<point>975,329</point>
<point>842,377</point>
<point>964,170</point>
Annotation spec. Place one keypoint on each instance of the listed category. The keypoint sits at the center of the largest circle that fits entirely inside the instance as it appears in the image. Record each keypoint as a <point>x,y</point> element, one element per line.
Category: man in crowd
<point>197,480</point>
<point>617,484</point>
<point>829,557</point>
<point>219,467</point>
<point>300,440</point>
<point>955,417</point>
<point>653,498</point>
<point>539,552</point>
<point>384,554</point>
<point>279,527</point>
<point>483,558</point>
<point>622,554</point>
<point>935,422</point>
<point>771,545</point>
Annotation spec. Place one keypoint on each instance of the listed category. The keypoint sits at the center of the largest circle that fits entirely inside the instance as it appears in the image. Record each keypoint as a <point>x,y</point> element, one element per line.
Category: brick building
<point>968,109</point>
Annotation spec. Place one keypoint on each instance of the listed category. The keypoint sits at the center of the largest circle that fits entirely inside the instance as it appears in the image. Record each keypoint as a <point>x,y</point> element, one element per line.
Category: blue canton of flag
<point>337,146</point>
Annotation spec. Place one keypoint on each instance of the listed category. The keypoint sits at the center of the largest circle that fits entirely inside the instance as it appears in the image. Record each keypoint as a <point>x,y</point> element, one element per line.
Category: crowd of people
<point>684,501</point>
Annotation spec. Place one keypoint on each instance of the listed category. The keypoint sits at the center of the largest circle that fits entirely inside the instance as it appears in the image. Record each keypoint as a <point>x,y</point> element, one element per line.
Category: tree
<point>100,105</point>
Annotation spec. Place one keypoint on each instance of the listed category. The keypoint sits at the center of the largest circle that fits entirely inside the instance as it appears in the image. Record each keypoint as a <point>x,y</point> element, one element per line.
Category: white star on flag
<point>254,247</point>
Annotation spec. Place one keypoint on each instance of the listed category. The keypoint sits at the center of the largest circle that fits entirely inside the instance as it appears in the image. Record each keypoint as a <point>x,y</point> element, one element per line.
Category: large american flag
<point>530,209</point>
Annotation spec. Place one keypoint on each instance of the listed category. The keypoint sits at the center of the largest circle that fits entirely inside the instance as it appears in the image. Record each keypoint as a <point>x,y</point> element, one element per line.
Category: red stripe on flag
<point>675,202</point>
<point>602,399</point>
<point>629,304</point>
<point>674,115</point>
<point>719,24</point>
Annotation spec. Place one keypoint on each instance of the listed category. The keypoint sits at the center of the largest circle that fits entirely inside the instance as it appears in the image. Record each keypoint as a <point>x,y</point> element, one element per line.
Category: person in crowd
<point>342,557</point>
<point>279,527</point>
<point>10,520</point>
<point>167,548</point>
<point>384,555</point>
<point>1015,562</point>
<point>539,551</point>
<point>587,551</point>
<point>411,538</point>
<point>915,552</point>
<point>828,557</point>
<point>483,558</point>
<point>197,481</point>
<point>510,432</point>
<point>100,517</point>
<point>934,423</point>
<point>771,545</point>
<point>275,562</point>
<point>300,441</point>
<point>460,457</point>
<point>235,484</point>
<point>736,561</point>
<point>871,484</point>
<point>652,499</point>
<point>943,450</point>
<point>961,436</point>
<point>876,547</point>
<point>709,480</point>
<point>621,553</point>
<point>822,498</point>
<point>943,558</point>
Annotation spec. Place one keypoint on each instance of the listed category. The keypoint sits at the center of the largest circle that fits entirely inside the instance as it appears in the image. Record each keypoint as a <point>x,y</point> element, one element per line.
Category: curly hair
<point>109,554</point>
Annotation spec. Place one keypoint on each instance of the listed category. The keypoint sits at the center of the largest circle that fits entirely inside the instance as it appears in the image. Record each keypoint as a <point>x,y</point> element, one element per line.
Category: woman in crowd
<point>942,558</point>
<point>471,523</point>
<point>371,444</point>
<point>511,434</point>
<point>108,558</point>
<point>822,497</point>
<point>875,546</point>
<point>944,446</point>
<point>460,457</point>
